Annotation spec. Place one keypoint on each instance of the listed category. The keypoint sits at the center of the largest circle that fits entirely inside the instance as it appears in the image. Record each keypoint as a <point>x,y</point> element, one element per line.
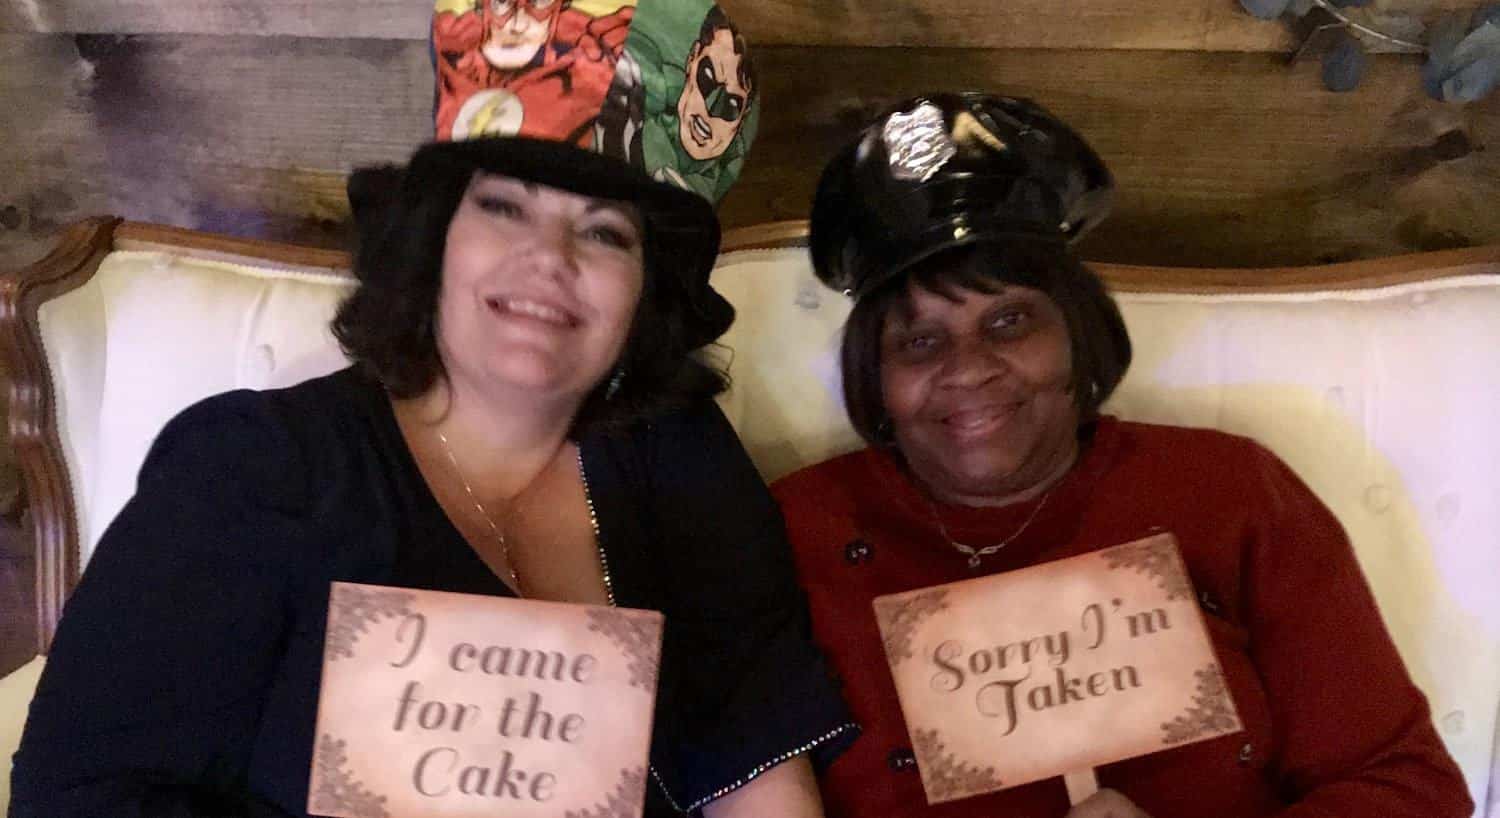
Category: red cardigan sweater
<point>1334,727</point>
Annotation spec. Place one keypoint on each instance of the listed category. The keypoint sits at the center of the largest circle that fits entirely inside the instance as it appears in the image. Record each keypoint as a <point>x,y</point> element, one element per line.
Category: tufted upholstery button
<point>858,551</point>
<point>901,759</point>
<point>1453,723</point>
<point>1378,498</point>
<point>263,360</point>
<point>809,295</point>
<point>1448,507</point>
<point>1247,754</point>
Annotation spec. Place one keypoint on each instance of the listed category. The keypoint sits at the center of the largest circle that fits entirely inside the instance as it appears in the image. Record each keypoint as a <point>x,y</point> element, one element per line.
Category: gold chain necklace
<point>974,554</point>
<point>510,565</point>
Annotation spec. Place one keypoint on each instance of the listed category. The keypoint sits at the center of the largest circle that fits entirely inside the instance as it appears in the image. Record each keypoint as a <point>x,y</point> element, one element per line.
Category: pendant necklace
<point>515,578</point>
<point>976,554</point>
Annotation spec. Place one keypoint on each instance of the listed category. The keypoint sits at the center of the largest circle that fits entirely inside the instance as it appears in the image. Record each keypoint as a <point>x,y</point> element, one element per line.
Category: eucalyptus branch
<point>1339,15</point>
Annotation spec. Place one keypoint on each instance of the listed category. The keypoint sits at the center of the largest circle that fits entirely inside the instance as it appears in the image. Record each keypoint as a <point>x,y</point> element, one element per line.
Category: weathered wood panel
<point>1214,25</point>
<point>1143,24</point>
<point>1222,159</point>
<point>17,598</point>
<point>1211,25</point>
<point>243,135</point>
<point>1192,25</point>
<point>378,19</point>
<point>49,151</point>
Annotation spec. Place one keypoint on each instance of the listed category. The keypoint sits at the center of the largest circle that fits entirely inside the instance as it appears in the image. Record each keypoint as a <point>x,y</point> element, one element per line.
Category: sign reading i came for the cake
<point>1054,669</point>
<point>457,705</point>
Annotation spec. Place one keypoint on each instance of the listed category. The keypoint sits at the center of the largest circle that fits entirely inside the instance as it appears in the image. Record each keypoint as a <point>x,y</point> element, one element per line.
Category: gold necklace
<point>974,554</point>
<point>510,565</point>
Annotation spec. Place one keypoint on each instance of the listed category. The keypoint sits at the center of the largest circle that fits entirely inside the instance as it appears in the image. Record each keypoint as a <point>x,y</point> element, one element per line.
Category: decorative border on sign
<point>899,618</point>
<point>352,610</point>
<point>335,790</point>
<point>1156,558</point>
<point>944,777</point>
<point>625,802</point>
<point>1211,713</point>
<point>638,634</point>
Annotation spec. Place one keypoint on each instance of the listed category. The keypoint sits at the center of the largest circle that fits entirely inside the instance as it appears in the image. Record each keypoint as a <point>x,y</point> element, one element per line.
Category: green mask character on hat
<point>693,98</point>
<point>665,85</point>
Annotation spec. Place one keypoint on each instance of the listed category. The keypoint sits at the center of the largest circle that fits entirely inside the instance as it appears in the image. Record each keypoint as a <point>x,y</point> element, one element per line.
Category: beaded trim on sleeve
<point>756,770</point>
<point>588,497</point>
<point>609,590</point>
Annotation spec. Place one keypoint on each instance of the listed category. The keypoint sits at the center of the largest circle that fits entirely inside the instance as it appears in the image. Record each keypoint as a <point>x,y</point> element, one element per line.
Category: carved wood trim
<point>793,233</point>
<point>767,236</point>
<point>1352,275</point>
<point>232,249</point>
<point>32,424</point>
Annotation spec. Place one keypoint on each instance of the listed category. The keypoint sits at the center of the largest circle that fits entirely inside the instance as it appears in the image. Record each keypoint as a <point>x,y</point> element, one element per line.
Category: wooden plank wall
<point>244,116</point>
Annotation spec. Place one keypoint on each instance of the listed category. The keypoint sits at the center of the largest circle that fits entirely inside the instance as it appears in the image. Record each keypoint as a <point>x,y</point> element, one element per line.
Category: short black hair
<point>388,324</point>
<point>715,21</point>
<point>1096,331</point>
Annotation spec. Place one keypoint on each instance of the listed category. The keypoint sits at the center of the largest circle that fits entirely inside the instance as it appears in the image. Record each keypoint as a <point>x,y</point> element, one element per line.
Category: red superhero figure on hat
<point>525,67</point>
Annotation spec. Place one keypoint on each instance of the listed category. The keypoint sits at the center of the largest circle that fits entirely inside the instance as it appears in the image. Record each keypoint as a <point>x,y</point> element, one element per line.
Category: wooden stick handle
<point>1081,784</point>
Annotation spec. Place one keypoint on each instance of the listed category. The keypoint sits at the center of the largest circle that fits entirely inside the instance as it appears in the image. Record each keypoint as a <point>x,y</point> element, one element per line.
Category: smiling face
<point>714,98</point>
<point>515,31</point>
<point>977,389</point>
<point>539,288</point>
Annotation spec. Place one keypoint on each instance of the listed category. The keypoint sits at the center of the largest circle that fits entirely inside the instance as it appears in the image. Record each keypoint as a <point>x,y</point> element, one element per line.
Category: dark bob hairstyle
<point>388,324</point>
<point>1100,344</point>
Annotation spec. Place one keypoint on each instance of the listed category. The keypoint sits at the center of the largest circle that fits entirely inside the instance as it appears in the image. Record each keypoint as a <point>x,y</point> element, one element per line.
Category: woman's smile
<point>535,310</point>
<point>977,422</point>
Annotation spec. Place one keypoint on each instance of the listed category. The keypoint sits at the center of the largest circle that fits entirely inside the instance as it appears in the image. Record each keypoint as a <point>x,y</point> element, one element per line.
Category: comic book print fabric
<point>667,85</point>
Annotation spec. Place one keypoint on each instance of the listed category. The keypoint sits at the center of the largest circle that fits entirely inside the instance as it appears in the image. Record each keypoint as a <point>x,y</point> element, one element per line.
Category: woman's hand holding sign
<point>1107,804</point>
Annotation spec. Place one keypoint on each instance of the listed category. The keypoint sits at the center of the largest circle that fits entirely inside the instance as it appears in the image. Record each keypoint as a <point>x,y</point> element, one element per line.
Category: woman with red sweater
<point>975,361</point>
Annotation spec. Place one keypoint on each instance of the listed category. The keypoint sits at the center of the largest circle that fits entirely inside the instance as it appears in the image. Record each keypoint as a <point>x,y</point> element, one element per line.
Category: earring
<point>614,384</point>
<point>884,433</point>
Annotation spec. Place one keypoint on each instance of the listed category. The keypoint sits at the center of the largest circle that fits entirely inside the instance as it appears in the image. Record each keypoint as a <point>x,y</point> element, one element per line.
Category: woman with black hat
<point>525,416</point>
<point>975,362</point>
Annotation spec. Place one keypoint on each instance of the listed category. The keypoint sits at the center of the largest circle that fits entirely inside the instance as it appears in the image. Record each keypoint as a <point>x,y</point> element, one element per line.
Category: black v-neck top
<point>184,677</point>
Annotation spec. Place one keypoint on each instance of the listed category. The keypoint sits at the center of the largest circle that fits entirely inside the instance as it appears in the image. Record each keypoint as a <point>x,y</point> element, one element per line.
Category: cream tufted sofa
<point>1379,382</point>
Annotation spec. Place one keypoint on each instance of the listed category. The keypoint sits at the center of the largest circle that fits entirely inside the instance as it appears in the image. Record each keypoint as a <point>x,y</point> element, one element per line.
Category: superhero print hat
<point>948,170</point>
<point>651,101</point>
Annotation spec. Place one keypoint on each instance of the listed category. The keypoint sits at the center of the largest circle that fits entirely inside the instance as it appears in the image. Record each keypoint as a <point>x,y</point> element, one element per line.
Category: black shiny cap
<point>947,170</point>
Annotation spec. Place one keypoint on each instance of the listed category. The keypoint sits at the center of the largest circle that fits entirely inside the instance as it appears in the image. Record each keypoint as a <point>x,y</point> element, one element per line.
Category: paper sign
<point>440,704</point>
<point>1059,667</point>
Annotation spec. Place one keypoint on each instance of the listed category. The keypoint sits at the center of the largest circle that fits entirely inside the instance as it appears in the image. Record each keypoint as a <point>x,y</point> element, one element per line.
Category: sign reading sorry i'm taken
<point>1053,669</point>
<point>449,704</point>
